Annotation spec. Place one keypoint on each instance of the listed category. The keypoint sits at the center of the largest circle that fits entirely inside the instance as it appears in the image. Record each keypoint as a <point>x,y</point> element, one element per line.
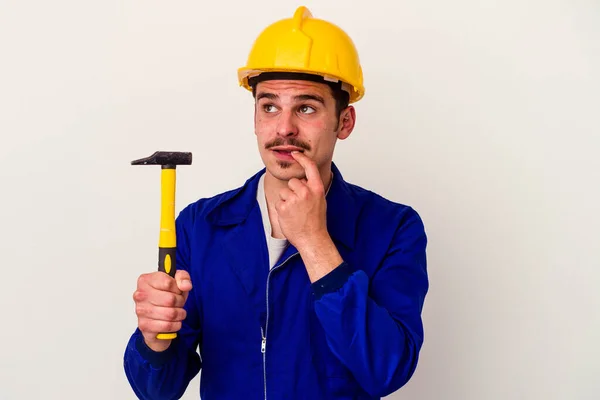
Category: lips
<point>284,153</point>
<point>287,149</point>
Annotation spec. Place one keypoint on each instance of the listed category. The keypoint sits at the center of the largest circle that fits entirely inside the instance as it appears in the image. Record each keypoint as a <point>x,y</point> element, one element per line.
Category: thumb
<point>184,282</point>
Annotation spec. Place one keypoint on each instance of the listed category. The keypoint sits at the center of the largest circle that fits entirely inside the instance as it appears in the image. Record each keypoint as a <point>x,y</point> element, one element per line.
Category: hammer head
<point>167,159</point>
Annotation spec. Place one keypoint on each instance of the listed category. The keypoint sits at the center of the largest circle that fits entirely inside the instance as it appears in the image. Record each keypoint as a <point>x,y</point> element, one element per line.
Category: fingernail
<point>183,281</point>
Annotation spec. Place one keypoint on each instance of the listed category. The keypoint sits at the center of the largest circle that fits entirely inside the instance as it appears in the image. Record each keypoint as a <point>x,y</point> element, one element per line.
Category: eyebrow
<point>265,95</point>
<point>304,97</point>
<point>300,97</point>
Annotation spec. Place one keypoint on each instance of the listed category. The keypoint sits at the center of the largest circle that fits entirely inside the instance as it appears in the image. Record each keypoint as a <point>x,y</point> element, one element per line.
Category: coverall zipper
<point>263,344</point>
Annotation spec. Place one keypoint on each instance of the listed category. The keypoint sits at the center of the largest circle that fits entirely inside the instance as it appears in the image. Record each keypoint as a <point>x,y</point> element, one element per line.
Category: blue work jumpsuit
<point>257,333</point>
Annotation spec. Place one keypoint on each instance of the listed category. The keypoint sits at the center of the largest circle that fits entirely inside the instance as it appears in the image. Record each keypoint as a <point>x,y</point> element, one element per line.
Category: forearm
<point>320,256</point>
<point>381,351</point>
<point>159,374</point>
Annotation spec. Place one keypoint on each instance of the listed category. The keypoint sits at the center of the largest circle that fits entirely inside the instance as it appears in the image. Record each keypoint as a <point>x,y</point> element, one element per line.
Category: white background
<point>482,115</point>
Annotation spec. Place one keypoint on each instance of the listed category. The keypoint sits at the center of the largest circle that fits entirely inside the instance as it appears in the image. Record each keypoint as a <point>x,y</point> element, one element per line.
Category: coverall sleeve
<point>374,326</point>
<point>166,375</point>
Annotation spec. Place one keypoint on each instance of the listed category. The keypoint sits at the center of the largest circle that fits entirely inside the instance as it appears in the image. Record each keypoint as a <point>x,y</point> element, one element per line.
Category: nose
<point>286,125</point>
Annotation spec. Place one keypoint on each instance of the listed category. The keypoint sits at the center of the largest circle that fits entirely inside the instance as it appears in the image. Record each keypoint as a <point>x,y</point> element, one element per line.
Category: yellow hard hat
<point>306,45</point>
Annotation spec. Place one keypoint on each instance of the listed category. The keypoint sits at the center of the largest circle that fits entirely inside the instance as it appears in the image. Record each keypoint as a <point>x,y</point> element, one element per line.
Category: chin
<point>286,170</point>
<point>285,165</point>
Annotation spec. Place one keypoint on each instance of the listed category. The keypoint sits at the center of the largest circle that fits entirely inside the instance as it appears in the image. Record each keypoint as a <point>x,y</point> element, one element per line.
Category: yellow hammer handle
<point>167,241</point>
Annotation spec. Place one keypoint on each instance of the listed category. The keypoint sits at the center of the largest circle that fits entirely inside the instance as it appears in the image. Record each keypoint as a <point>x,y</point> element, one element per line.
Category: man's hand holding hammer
<point>159,301</point>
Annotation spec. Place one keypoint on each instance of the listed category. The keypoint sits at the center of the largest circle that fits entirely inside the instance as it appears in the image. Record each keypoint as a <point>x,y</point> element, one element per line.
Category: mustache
<point>288,142</point>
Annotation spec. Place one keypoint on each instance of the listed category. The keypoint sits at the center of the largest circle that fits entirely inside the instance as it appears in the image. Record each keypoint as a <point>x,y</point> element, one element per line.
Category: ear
<point>347,122</point>
<point>255,118</point>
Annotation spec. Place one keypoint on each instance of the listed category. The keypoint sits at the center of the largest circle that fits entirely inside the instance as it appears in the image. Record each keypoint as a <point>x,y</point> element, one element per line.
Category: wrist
<point>332,281</point>
<point>318,240</point>
<point>157,354</point>
<point>320,256</point>
<point>156,345</point>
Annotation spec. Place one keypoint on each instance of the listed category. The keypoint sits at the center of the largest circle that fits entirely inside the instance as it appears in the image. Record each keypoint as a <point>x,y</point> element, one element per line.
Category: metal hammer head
<point>167,159</point>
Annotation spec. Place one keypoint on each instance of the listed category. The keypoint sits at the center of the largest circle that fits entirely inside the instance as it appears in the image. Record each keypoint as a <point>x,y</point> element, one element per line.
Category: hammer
<point>167,241</point>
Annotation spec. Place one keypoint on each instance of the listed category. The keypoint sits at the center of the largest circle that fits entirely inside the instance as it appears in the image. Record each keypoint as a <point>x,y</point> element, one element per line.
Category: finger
<point>166,299</point>
<point>285,194</point>
<point>280,207</point>
<point>297,185</point>
<point>145,310</point>
<point>310,169</point>
<point>140,295</point>
<point>160,281</point>
<point>158,326</point>
<point>184,282</point>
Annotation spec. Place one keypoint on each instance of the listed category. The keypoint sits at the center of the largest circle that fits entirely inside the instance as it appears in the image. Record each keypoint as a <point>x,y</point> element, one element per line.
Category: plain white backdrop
<point>482,115</point>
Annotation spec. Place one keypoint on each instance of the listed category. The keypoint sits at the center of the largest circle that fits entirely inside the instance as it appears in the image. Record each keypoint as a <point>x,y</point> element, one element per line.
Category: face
<point>298,115</point>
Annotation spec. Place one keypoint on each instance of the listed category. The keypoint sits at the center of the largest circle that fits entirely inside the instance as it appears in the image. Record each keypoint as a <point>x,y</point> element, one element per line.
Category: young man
<point>298,284</point>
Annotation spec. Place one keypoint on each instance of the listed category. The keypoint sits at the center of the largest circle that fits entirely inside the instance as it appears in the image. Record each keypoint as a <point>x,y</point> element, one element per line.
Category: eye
<point>307,110</point>
<point>269,108</point>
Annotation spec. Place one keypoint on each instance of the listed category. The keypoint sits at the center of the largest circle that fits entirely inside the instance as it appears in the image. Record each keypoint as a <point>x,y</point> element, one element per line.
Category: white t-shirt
<point>276,246</point>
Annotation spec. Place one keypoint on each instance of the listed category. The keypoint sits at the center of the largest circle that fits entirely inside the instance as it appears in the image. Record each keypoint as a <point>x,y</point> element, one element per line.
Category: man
<point>298,284</point>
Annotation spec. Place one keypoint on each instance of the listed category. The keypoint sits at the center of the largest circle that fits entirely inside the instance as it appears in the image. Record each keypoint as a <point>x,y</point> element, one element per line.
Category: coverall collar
<point>342,207</point>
